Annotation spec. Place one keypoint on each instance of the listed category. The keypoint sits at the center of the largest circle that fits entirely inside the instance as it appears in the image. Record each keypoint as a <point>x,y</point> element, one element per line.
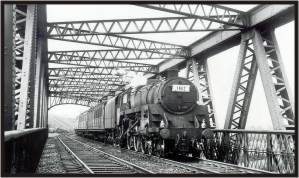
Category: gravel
<point>50,162</point>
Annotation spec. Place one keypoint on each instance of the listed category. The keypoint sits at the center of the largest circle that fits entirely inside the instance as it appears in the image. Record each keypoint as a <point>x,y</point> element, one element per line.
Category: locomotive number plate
<point>181,88</point>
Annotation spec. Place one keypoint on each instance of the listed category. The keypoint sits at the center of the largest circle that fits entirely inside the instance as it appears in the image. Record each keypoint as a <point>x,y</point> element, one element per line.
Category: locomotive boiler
<point>160,118</point>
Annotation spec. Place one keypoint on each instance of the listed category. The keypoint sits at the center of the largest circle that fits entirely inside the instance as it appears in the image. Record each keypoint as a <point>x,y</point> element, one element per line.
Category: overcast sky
<point>221,66</point>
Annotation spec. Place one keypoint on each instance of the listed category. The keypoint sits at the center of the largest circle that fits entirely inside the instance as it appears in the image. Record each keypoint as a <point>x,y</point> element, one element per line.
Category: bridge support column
<point>41,64</point>
<point>274,79</point>
<point>260,51</point>
<point>27,69</point>
<point>8,79</point>
<point>243,85</point>
<point>197,71</point>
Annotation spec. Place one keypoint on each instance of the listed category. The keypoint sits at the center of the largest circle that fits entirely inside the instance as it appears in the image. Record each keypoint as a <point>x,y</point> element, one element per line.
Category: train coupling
<point>182,142</point>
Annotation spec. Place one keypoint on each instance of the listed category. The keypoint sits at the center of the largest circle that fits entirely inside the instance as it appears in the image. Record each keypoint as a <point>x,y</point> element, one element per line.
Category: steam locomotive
<point>159,118</point>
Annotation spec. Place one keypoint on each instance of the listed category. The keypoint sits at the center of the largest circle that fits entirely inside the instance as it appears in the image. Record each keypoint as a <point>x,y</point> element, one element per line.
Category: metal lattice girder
<point>112,65</point>
<point>86,87</point>
<point>108,84</point>
<point>112,54</point>
<point>110,81</point>
<point>106,64</point>
<point>127,43</point>
<point>206,13</point>
<point>92,79</point>
<point>88,94</point>
<point>263,17</point>
<point>75,86</point>
<point>243,85</point>
<point>81,71</point>
<point>19,23</point>
<point>274,80</point>
<point>199,74</point>
<point>83,90</point>
<point>53,101</point>
<point>132,26</point>
<point>74,96</point>
<point>27,80</point>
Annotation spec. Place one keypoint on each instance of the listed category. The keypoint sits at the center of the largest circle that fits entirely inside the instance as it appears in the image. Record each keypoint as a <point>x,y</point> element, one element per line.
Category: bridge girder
<point>124,42</point>
<point>113,54</point>
<point>142,25</point>
<point>212,13</point>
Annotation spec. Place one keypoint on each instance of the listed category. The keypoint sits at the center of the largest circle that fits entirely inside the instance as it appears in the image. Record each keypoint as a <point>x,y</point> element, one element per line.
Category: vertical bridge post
<point>260,51</point>
<point>9,69</point>
<point>277,90</point>
<point>197,71</point>
<point>27,82</point>
<point>243,85</point>
<point>41,66</point>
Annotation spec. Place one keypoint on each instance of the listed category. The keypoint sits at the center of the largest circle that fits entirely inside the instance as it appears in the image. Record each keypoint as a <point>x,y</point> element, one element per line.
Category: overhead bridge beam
<point>81,83</point>
<point>54,101</point>
<point>211,13</point>
<point>75,71</point>
<point>128,43</point>
<point>138,67</point>
<point>141,25</point>
<point>263,17</point>
<point>113,54</point>
<point>78,83</point>
<point>85,93</point>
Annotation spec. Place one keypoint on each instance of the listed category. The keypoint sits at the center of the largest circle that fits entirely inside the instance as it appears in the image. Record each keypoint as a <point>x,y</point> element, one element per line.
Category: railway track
<point>225,168</point>
<point>210,166</point>
<point>197,165</point>
<point>95,161</point>
<point>176,165</point>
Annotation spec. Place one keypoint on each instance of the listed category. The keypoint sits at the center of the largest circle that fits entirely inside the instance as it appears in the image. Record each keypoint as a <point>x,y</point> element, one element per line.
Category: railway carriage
<point>160,118</point>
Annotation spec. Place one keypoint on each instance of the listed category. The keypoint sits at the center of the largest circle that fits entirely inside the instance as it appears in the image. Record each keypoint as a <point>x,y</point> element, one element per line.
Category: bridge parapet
<point>23,149</point>
<point>265,150</point>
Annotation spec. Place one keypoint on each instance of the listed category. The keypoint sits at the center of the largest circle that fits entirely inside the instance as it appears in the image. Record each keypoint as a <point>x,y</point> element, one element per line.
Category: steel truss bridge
<point>36,79</point>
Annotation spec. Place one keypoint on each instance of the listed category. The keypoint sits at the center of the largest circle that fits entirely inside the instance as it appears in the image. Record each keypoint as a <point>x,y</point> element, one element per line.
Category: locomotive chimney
<point>172,72</point>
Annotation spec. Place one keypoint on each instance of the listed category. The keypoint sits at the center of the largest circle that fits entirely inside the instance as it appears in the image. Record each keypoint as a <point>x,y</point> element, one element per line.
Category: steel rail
<point>168,161</point>
<point>211,162</point>
<point>114,157</point>
<point>205,160</point>
<point>235,166</point>
<point>184,164</point>
<point>76,157</point>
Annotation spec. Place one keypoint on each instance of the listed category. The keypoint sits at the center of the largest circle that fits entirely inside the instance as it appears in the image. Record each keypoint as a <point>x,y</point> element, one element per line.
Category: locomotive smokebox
<point>152,81</point>
<point>177,95</point>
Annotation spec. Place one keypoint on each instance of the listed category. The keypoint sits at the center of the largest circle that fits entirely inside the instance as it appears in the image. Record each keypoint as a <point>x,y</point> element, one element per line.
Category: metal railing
<point>23,149</point>
<point>265,150</point>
